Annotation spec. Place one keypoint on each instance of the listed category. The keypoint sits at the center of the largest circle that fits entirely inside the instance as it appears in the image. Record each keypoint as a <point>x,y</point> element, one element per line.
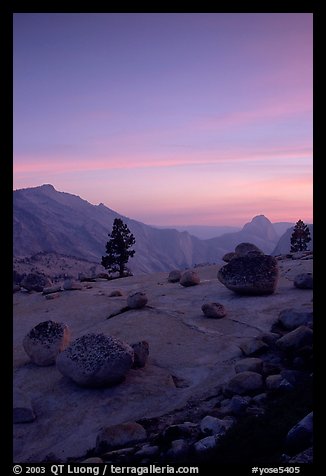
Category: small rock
<point>292,318</point>
<point>180,430</point>
<point>304,281</point>
<point>96,360</point>
<point>254,347</point>
<point>86,278</point>
<point>137,300</point>
<point>179,449</point>
<point>271,368</point>
<point>214,426</point>
<point>52,296</point>
<point>115,293</point>
<point>22,408</point>
<point>305,457</point>
<point>300,337</point>
<point>273,382</point>
<point>250,363</point>
<point>205,444</point>
<point>45,341</point>
<point>147,451</point>
<point>238,404</point>
<point>260,399</point>
<point>16,288</point>
<point>116,436</point>
<point>300,436</point>
<point>52,289</point>
<point>70,285</point>
<point>141,353</point>
<point>245,383</point>
<point>174,276</point>
<point>269,337</point>
<point>189,278</point>
<point>214,310</point>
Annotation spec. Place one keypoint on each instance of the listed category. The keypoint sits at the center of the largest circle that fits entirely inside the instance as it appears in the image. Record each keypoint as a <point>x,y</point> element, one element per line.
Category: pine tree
<point>118,247</point>
<point>300,237</point>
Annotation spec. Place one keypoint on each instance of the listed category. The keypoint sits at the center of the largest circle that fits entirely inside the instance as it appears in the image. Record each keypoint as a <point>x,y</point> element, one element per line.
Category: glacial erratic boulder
<point>189,278</point>
<point>45,341</point>
<point>96,360</point>
<point>251,275</point>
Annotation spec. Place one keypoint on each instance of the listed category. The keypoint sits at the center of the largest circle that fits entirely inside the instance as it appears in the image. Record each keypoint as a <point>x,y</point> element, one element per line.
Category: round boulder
<point>252,275</point>
<point>174,276</point>
<point>45,341</point>
<point>36,282</point>
<point>214,310</point>
<point>189,278</point>
<point>96,360</point>
<point>304,281</point>
<point>137,300</point>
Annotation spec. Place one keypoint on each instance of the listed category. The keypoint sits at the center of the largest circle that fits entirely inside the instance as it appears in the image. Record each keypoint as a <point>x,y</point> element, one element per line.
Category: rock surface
<point>256,275</point>
<point>292,318</point>
<point>45,341</point>
<point>70,417</point>
<point>141,353</point>
<point>96,360</point>
<point>300,337</point>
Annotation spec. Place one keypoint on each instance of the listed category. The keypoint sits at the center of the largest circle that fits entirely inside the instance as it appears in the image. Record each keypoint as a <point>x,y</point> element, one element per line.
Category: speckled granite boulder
<point>45,341</point>
<point>252,275</point>
<point>96,360</point>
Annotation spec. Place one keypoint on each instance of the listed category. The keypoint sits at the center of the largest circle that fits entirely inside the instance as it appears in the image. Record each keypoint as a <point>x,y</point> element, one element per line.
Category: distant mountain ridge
<point>46,220</point>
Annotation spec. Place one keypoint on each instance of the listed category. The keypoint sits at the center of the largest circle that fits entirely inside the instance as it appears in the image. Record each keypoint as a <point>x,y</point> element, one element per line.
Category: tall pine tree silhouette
<point>118,249</point>
<point>300,237</point>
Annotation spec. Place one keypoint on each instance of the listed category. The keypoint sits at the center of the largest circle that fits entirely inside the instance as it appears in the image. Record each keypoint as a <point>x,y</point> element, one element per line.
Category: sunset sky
<point>170,119</point>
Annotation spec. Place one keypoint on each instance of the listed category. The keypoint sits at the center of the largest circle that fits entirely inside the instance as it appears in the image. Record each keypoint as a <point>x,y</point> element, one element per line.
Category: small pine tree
<point>118,247</point>
<point>300,237</point>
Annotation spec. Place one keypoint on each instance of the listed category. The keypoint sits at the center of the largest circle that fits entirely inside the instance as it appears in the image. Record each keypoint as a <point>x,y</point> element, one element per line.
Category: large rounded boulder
<point>45,341</point>
<point>96,360</point>
<point>253,275</point>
